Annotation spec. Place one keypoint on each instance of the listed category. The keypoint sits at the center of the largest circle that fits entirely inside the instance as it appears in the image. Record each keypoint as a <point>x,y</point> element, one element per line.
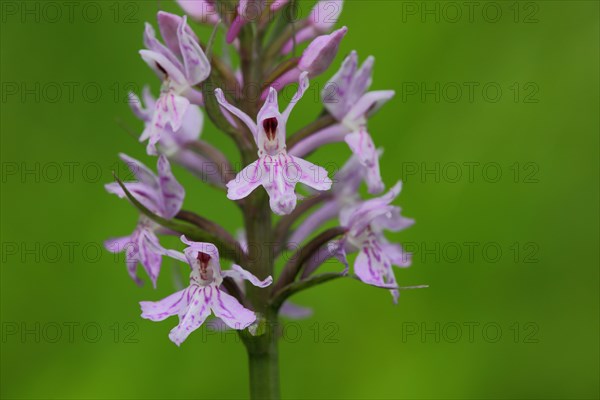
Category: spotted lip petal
<point>168,116</point>
<point>366,222</point>
<point>194,304</point>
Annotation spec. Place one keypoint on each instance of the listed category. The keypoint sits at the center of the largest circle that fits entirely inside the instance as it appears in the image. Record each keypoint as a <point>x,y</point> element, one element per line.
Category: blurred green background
<point>511,259</point>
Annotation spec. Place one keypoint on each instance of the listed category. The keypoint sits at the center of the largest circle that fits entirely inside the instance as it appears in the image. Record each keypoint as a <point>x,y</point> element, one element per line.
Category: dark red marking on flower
<point>162,69</point>
<point>204,259</point>
<point>270,125</point>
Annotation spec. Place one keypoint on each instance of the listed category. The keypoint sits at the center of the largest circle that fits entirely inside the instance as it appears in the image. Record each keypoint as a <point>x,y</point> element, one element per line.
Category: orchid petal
<point>319,54</point>
<point>169,111</point>
<point>362,81</point>
<point>154,45</point>
<point>172,191</point>
<point>237,272</point>
<point>237,112</point>
<point>372,267</point>
<point>142,173</point>
<point>145,114</point>
<point>117,245</point>
<point>230,311</point>
<point>334,93</point>
<point>303,85</point>
<point>362,146</point>
<point>200,10</point>
<point>368,104</point>
<point>195,315</point>
<point>196,64</point>
<point>396,254</point>
<point>168,26</point>
<point>325,14</point>
<point>280,177</point>
<point>145,194</point>
<point>191,126</point>
<point>150,259</point>
<point>164,67</point>
<point>312,175</point>
<point>245,182</point>
<point>162,309</point>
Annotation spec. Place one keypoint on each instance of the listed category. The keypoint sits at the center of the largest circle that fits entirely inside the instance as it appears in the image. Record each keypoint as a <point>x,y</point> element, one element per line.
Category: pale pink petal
<point>369,103</point>
<point>230,311</point>
<point>396,254</point>
<point>236,272</point>
<point>197,311</point>
<point>167,25</point>
<point>154,45</point>
<point>117,245</point>
<point>312,175</point>
<point>279,180</point>
<point>200,10</point>
<point>172,191</point>
<point>164,67</point>
<point>162,309</point>
<point>336,90</point>
<point>141,173</point>
<point>149,257</point>
<point>303,85</point>
<point>197,66</point>
<point>370,267</point>
<point>325,14</point>
<point>319,54</point>
<point>362,146</point>
<point>245,182</point>
<point>237,112</point>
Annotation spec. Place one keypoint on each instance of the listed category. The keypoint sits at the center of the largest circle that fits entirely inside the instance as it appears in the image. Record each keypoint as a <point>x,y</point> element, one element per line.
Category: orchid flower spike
<point>321,19</point>
<point>366,222</point>
<point>201,10</point>
<point>275,170</point>
<point>181,64</point>
<point>162,195</point>
<point>204,294</point>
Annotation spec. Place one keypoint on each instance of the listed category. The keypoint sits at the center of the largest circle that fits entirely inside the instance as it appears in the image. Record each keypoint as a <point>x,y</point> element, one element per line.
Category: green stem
<point>262,349</point>
<point>263,361</point>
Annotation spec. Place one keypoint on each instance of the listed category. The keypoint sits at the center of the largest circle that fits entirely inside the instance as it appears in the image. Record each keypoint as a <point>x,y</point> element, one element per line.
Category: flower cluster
<point>276,179</point>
